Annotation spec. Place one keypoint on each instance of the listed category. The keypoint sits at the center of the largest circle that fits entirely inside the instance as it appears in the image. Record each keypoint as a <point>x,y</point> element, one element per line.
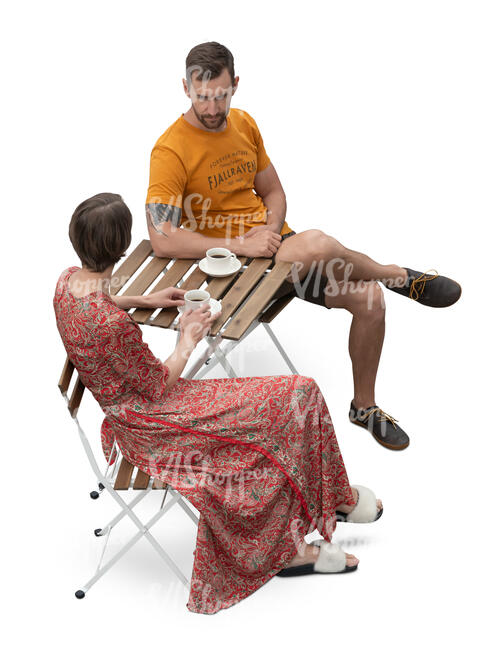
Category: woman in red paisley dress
<point>257,456</point>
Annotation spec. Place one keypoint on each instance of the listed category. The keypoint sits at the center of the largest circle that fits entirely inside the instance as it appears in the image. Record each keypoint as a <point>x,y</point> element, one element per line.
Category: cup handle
<point>233,256</point>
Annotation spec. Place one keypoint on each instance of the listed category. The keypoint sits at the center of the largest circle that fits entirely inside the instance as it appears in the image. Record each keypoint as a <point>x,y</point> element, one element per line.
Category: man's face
<point>211,98</point>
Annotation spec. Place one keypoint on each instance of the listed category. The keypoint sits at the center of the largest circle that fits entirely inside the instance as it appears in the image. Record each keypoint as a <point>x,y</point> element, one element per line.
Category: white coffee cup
<point>219,260</point>
<point>195,298</point>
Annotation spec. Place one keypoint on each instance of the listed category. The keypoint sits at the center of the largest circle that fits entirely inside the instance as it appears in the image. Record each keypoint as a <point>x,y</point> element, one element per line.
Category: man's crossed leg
<point>333,276</point>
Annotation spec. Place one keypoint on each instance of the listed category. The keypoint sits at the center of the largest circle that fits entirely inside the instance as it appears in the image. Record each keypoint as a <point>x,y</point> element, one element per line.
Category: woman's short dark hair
<point>100,231</point>
<point>209,59</point>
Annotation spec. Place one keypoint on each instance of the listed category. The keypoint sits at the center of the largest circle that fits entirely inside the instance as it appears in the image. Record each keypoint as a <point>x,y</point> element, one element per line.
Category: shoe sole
<point>384,444</point>
<point>341,517</point>
<point>308,570</point>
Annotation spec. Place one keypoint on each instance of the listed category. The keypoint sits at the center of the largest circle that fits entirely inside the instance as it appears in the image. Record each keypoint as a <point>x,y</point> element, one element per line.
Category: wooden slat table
<point>244,295</point>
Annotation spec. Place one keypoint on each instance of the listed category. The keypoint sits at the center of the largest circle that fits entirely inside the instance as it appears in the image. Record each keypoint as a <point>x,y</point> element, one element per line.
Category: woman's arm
<point>177,361</point>
<point>194,326</point>
<point>129,356</point>
<point>127,302</point>
<point>169,297</point>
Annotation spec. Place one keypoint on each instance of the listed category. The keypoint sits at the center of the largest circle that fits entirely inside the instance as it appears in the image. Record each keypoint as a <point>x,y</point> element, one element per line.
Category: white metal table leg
<point>280,349</point>
<point>212,362</point>
<point>202,359</point>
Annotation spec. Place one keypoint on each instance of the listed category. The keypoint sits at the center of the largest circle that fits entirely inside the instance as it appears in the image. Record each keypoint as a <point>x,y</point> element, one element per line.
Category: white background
<point>377,118</point>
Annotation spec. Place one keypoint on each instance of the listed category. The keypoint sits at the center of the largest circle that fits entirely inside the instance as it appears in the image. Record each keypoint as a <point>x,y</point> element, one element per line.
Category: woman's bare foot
<point>345,508</point>
<point>309,553</point>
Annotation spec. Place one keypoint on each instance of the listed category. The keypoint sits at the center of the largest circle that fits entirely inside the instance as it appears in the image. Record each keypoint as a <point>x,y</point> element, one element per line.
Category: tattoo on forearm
<point>158,213</point>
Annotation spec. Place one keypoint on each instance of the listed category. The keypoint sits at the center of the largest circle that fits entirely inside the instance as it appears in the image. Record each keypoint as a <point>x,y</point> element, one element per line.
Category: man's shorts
<point>311,289</point>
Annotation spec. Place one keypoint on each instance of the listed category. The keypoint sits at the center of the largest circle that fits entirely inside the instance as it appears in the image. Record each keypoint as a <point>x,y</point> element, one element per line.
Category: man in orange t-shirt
<point>209,176</point>
<point>213,184</point>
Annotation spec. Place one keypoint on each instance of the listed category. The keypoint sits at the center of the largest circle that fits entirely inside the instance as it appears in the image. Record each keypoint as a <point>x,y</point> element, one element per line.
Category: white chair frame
<point>106,482</point>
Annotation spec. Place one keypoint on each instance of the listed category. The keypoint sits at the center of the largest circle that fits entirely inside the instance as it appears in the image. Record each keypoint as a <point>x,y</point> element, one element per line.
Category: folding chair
<point>119,477</point>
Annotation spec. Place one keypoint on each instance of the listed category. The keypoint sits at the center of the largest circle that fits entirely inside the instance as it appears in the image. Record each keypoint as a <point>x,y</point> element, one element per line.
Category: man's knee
<point>321,246</point>
<point>362,298</point>
<point>370,302</point>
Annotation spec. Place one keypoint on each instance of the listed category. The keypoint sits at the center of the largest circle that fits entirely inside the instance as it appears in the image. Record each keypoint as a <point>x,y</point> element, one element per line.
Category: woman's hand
<point>195,324</point>
<point>169,297</point>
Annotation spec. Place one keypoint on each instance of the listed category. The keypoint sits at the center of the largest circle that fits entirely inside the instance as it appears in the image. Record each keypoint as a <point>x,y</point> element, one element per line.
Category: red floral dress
<point>257,456</point>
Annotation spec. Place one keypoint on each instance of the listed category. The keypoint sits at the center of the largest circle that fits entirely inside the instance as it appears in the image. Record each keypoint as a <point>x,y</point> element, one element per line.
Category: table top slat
<point>273,311</point>
<point>194,281</point>
<point>142,281</point>
<point>261,297</point>
<point>170,279</point>
<point>240,290</point>
<point>217,286</point>
<point>133,262</point>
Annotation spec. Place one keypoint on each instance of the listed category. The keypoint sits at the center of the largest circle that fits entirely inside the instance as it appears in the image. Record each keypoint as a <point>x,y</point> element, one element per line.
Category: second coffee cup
<point>194,298</point>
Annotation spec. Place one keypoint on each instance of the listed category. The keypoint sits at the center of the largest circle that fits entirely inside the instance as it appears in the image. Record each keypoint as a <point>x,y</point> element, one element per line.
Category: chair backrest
<point>123,471</point>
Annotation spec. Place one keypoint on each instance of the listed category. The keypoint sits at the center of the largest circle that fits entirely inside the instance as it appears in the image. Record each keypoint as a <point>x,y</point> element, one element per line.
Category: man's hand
<point>259,241</point>
<point>169,297</point>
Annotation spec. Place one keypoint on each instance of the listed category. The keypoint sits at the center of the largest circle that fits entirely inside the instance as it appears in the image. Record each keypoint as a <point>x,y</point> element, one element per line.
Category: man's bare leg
<point>353,284</point>
<point>366,304</point>
<point>366,338</point>
<point>315,248</point>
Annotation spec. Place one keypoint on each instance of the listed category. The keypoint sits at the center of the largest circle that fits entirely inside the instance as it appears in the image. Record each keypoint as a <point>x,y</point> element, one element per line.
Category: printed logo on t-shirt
<point>232,172</point>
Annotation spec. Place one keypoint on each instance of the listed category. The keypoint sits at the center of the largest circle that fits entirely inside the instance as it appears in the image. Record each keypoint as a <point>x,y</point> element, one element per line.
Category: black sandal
<point>332,559</point>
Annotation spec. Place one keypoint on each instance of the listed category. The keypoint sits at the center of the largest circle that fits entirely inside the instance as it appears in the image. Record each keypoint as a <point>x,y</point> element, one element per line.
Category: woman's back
<point>106,347</point>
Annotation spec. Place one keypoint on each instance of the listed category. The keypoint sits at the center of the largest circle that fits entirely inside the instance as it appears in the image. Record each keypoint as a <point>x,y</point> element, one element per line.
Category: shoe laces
<point>419,283</point>
<point>382,415</point>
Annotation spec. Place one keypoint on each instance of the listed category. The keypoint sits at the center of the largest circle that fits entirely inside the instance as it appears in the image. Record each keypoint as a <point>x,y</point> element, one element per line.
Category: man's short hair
<point>209,59</point>
<point>100,231</point>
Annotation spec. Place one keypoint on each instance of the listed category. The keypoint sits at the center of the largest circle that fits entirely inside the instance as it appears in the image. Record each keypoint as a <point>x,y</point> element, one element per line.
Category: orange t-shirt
<point>210,175</point>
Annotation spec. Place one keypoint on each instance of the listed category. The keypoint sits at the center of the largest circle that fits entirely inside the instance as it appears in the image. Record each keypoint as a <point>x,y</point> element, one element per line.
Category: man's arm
<point>268,186</point>
<point>168,239</point>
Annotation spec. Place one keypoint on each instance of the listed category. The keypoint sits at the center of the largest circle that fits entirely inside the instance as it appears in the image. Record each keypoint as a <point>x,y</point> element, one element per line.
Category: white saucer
<point>233,268</point>
<point>215,306</point>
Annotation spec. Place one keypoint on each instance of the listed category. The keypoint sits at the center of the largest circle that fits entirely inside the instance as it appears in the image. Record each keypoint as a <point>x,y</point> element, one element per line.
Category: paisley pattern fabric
<point>257,456</point>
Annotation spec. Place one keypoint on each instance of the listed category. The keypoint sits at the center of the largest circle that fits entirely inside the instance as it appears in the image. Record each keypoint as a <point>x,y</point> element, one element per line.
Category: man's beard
<point>205,121</point>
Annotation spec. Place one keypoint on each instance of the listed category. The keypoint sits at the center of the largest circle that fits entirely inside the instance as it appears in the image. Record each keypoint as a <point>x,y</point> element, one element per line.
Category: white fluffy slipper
<point>365,510</point>
<point>331,559</point>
